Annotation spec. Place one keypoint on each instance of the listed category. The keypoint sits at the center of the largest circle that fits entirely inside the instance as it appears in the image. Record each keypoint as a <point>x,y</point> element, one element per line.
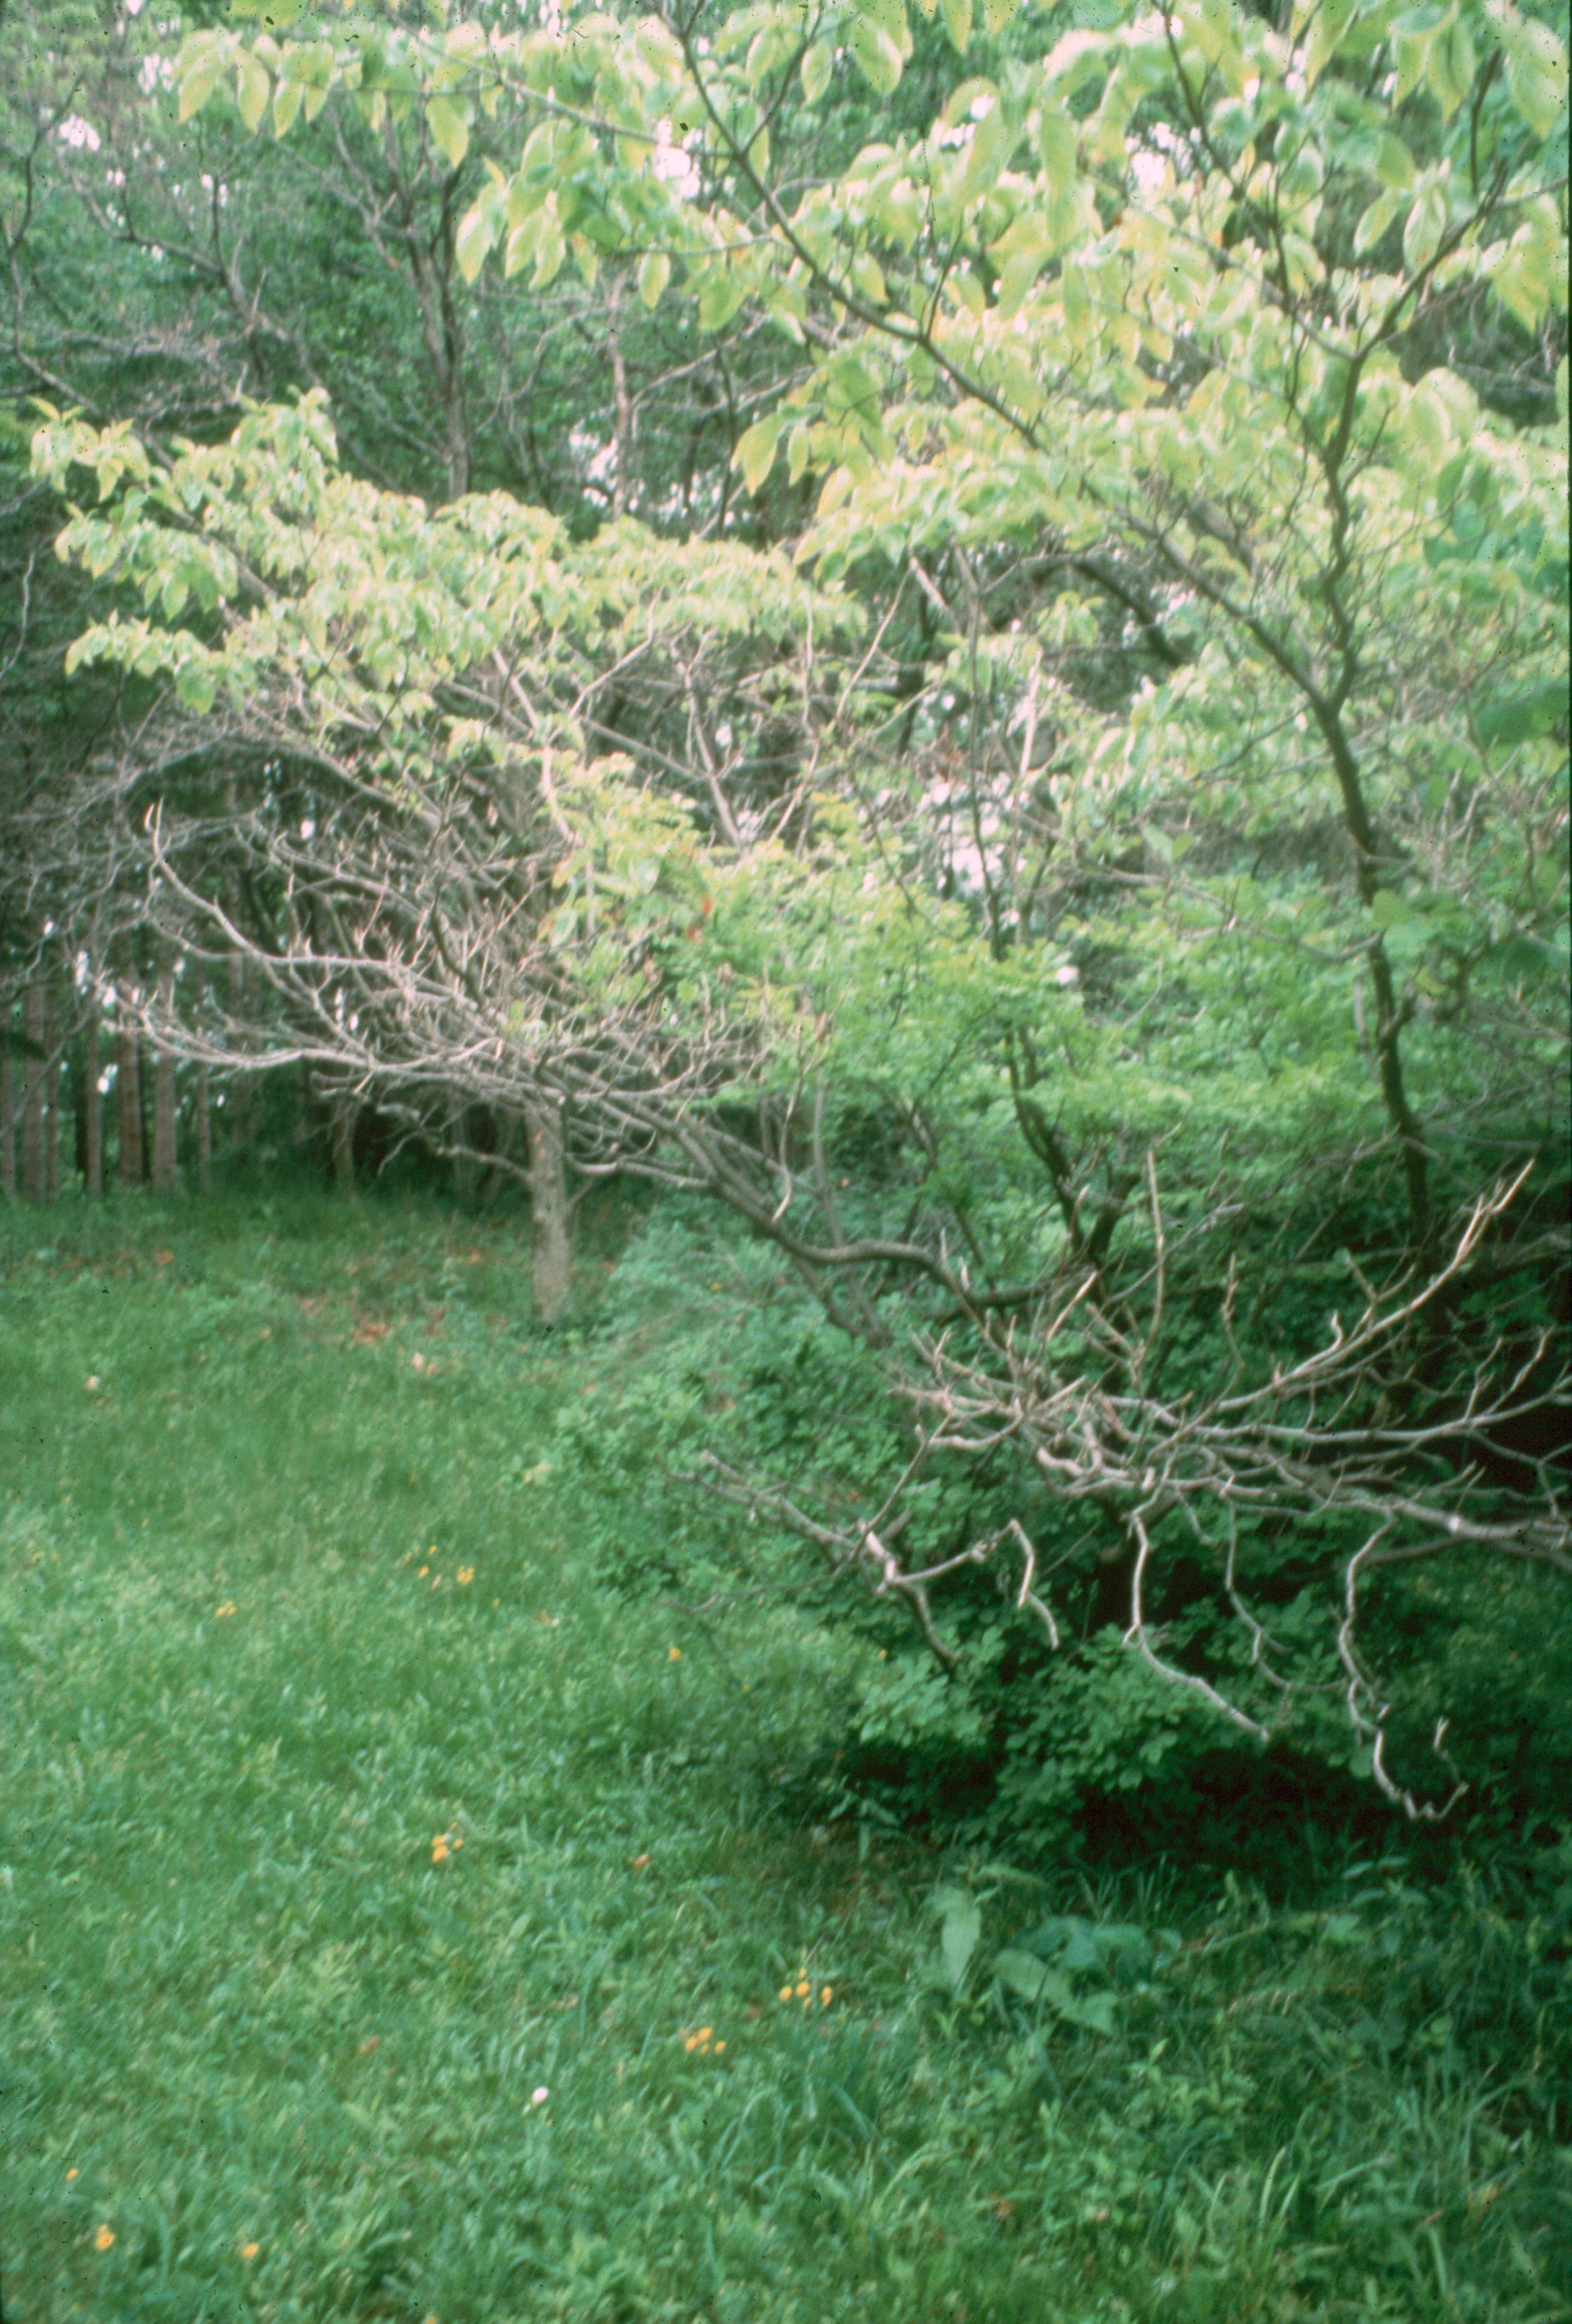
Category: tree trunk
<point>464,1174</point>
<point>238,1089</point>
<point>7,1110</point>
<point>53,1080</point>
<point>33,1080</point>
<point>166,1175</point>
<point>203,1133</point>
<point>128,1095</point>
<point>92,1104</point>
<point>550,1250</point>
<point>343,1114</point>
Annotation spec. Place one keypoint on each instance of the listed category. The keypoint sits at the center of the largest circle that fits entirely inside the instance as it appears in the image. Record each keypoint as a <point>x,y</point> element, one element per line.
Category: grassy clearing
<point>396,1923</point>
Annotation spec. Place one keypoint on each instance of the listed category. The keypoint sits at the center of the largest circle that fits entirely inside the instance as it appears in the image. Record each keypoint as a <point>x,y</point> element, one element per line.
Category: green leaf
<point>1094,2011</point>
<point>875,55</point>
<point>818,65</point>
<point>654,275</point>
<point>1426,225</point>
<point>997,13</point>
<point>868,279</point>
<point>449,126</point>
<point>1395,165</point>
<point>1519,719</point>
<point>1376,221</point>
<point>1332,19</point>
<point>959,1935</point>
<point>195,686</point>
<point>1390,910</point>
<point>1411,36</point>
<point>1452,66</point>
<point>723,294</point>
<point>253,88</point>
<point>958,23</point>
<point>1031,1979</point>
<point>1536,74</point>
<point>754,452</point>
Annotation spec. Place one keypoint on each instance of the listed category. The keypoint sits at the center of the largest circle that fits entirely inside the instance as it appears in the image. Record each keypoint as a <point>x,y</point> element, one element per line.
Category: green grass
<point>286,2051</point>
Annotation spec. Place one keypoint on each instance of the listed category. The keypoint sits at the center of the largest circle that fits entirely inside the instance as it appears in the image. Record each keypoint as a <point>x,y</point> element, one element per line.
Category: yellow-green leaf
<point>988,153</point>
<point>287,98</point>
<point>958,23</point>
<point>997,13</point>
<point>1394,163</point>
<point>754,453</point>
<point>473,239</point>
<point>1077,306</point>
<point>654,275</point>
<point>1375,220</point>
<point>198,82</point>
<point>253,88</point>
<point>450,127</point>
<point>1056,148</point>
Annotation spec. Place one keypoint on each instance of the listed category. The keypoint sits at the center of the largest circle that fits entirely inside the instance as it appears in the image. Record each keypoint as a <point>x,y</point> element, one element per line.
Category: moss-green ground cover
<point>395,1922</point>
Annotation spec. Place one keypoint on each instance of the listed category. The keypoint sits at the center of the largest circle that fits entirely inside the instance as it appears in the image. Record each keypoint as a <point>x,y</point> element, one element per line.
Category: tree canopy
<point>954,633</point>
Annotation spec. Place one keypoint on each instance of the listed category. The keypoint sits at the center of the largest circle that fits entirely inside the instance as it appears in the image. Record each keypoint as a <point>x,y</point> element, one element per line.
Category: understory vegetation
<point>443,1878</point>
<point>859,714</point>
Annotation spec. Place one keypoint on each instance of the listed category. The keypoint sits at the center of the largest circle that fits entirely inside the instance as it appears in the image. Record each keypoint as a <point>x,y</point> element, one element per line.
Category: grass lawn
<point>397,1922</point>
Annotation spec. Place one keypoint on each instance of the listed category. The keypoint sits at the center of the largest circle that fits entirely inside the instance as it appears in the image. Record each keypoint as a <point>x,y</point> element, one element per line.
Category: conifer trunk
<point>53,1083</point>
<point>35,1066</point>
<point>92,1104</point>
<point>201,1097</point>
<point>166,1174</point>
<point>7,1112</point>
<point>128,1094</point>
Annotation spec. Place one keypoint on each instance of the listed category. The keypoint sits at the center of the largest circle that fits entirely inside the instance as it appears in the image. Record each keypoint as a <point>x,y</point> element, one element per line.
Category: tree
<point>1187,912</point>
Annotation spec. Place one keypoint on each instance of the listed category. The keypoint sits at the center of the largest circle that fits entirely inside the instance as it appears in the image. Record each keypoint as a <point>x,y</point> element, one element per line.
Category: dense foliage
<point>950,636</point>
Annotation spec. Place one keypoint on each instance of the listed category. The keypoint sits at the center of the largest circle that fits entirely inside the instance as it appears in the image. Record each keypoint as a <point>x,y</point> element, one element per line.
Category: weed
<point>398,1921</point>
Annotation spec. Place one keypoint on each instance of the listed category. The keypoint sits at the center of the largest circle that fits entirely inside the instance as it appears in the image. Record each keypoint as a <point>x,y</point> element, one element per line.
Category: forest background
<point>894,686</point>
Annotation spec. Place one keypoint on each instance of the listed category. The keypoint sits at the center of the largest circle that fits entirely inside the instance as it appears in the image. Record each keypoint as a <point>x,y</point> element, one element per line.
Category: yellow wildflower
<point>227,1608</point>
<point>249,2251</point>
<point>467,1575</point>
<point>104,2239</point>
<point>674,1654</point>
<point>826,1995</point>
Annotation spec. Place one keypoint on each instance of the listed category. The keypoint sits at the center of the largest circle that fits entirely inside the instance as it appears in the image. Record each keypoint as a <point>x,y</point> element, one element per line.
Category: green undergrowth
<point>403,1917</point>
